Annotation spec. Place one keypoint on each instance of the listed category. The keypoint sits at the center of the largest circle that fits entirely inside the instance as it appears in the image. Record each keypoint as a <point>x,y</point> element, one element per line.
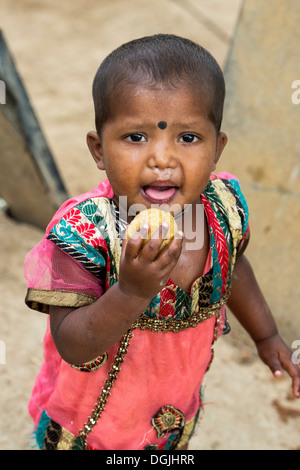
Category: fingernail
<point>277,373</point>
<point>135,235</point>
<point>144,230</point>
<point>165,227</point>
<point>179,235</point>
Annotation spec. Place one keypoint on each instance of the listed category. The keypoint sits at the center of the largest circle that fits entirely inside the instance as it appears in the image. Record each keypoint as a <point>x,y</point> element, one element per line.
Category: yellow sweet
<point>153,218</point>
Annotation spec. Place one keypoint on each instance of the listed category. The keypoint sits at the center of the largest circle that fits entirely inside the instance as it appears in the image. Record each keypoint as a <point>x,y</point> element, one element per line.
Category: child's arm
<point>83,334</point>
<point>247,303</point>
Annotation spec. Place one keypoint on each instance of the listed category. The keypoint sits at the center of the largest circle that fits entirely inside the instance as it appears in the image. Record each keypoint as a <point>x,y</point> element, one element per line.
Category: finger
<point>171,253</point>
<point>296,386</point>
<point>275,366</point>
<point>161,232</point>
<point>294,372</point>
<point>175,245</point>
<point>153,245</point>
<point>133,245</point>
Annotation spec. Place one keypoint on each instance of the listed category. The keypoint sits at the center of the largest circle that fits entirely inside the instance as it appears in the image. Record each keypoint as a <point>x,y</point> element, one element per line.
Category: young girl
<point>131,327</point>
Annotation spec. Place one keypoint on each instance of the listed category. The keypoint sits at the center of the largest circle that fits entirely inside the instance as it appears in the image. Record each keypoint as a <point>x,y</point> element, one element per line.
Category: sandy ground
<point>58,46</point>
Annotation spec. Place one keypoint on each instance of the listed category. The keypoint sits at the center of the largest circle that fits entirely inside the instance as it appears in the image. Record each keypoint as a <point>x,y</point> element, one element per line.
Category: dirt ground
<point>58,47</point>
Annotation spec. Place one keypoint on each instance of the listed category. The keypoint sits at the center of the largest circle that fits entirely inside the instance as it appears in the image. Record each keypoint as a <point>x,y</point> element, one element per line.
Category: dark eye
<point>136,138</point>
<point>188,138</point>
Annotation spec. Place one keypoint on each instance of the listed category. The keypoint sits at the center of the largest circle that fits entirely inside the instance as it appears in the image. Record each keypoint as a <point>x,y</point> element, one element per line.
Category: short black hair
<point>162,59</point>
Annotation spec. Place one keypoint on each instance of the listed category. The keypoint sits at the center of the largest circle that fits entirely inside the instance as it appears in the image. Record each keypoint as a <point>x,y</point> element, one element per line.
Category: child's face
<point>158,147</point>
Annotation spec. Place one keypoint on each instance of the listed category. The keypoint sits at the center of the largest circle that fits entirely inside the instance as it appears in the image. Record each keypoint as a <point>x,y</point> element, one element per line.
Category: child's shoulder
<point>226,199</point>
<point>84,221</point>
<point>86,204</point>
<point>227,187</point>
<point>227,178</point>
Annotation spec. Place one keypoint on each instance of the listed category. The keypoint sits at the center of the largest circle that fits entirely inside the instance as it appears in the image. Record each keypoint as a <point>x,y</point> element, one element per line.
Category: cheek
<point>199,167</point>
<point>198,173</point>
<point>122,174</point>
<point>122,169</point>
<point>204,160</point>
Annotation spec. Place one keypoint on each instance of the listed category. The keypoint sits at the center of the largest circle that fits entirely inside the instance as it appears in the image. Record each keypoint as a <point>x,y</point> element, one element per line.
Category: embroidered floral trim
<point>168,419</point>
<point>52,436</point>
<point>92,231</point>
<point>93,365</point>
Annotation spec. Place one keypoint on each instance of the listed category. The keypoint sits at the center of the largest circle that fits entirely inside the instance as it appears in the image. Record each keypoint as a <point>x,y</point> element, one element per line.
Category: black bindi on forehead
<point>162,124</point>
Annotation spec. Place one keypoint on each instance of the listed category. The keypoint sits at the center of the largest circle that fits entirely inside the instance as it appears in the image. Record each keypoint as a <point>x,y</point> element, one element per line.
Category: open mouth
<point>160,193</point>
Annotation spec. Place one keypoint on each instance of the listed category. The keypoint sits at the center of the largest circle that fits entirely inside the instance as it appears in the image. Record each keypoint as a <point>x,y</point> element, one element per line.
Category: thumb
<point>275,367</point>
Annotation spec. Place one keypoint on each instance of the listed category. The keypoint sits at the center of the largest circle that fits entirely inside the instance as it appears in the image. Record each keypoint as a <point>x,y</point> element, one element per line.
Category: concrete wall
<point>262,118</point>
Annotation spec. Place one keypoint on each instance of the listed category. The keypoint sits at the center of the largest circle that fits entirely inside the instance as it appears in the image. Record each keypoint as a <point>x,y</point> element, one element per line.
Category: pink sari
<point>155,400</point>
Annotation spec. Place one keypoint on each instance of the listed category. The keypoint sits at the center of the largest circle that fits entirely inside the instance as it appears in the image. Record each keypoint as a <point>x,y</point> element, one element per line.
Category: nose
<point>162,155</point>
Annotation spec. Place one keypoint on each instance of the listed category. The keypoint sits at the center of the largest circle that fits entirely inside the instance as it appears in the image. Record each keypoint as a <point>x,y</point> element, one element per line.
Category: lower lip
<point>156,197</point>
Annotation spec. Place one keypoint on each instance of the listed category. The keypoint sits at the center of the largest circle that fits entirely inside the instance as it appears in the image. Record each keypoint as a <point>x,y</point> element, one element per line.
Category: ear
<point>95,147</point>
<point>221,142</point>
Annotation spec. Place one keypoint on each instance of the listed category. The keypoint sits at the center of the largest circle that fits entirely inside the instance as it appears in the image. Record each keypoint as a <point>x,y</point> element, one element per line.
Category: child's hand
<point>274,352</point>
<point>143,270</point>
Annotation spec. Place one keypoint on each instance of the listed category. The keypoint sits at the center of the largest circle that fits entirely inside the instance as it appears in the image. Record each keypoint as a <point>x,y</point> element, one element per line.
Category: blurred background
<point>57,47</point>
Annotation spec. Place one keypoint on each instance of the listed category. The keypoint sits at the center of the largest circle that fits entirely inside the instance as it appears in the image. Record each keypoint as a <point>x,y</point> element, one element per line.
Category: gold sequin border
<point>178,324</point>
